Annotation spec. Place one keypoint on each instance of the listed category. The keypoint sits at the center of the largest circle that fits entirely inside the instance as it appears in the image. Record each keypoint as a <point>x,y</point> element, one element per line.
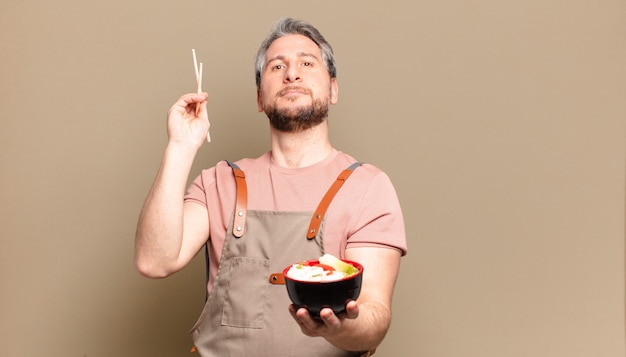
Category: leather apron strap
<point>319,213</point>
<point>241,204</point>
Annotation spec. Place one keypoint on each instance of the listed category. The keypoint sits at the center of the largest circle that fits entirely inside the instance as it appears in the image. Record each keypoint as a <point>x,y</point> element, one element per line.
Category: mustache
<point>284,91</point>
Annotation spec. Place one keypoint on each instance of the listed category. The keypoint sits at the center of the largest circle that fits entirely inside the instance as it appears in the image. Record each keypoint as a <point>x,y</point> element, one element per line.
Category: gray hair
<point>289,26</point>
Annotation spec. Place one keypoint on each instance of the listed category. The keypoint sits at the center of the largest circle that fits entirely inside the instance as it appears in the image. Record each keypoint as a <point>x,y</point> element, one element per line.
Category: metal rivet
<point>274,278</point>
<point>240,213</point>
<point>312,230</point>
<point>238,228</point>
<point>318,216</point>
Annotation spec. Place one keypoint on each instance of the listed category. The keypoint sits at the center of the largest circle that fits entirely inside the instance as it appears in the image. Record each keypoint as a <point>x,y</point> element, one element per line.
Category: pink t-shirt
<point>365,211</point>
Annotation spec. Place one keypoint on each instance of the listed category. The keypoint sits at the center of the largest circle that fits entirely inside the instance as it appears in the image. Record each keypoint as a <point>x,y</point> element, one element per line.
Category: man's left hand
<point>327,324</point>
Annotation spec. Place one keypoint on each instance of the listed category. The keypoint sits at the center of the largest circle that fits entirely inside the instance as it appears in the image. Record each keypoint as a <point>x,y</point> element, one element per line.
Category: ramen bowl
<point>315,295</point>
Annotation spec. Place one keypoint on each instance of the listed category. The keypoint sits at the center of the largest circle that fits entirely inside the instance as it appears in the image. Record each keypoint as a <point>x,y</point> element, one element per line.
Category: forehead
<point>292,45</point>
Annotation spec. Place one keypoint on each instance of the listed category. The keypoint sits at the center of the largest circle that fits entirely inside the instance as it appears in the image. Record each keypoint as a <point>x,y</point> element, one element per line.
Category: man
<point>255,215</point>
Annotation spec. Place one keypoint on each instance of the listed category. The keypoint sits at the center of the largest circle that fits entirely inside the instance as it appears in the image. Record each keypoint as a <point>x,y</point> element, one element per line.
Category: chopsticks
<point>198,70</point>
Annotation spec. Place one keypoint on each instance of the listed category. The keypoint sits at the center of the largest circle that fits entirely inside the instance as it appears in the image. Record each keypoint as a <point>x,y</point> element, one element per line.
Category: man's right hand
<point>183,125</point>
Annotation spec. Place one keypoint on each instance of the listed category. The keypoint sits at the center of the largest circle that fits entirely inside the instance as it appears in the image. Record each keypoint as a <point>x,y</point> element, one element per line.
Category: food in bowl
<point>325,282</point>
<point>327,268</point>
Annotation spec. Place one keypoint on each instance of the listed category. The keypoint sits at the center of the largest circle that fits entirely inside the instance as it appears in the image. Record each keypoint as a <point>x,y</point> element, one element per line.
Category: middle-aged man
<point>255,214</point>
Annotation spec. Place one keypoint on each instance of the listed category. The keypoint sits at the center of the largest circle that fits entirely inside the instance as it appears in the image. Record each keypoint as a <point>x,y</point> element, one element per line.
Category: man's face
<point>296,89</point>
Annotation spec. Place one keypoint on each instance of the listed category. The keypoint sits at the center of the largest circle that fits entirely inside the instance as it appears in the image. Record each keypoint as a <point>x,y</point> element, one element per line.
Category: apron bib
<point>246,314</point>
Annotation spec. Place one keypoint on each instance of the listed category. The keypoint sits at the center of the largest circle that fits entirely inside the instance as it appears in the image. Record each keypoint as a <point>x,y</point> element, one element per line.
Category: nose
<point>292,74</point>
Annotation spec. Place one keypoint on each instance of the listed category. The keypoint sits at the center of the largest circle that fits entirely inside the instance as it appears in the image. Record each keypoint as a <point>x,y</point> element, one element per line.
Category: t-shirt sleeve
<point>379,220</point>
<point>196,192</point>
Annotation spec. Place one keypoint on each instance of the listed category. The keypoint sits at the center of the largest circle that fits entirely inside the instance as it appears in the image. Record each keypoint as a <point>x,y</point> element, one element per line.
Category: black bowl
<point>316,295</point>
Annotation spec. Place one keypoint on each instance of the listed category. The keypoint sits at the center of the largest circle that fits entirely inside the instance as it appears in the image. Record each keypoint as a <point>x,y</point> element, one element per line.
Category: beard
<point>293,120</point>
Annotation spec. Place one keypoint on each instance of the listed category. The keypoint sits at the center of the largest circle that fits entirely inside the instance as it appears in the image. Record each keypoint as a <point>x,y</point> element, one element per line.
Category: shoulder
<point>222,172</point>
<point>365,176</point>
<point>370,180</point>
<point>346,160</point>
<point>223,168</point>
<point>252,164</point>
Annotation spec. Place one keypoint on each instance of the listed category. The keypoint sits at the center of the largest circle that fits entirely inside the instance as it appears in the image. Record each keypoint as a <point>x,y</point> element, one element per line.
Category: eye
<point>307,64</point>
<point>278,67</point>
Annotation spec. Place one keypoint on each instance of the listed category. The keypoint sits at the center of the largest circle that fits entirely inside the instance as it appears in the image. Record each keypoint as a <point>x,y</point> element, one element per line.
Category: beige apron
<point>246,314</point>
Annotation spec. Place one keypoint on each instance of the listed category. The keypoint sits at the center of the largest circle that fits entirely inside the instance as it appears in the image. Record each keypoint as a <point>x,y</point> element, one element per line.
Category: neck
<point>295,150</point>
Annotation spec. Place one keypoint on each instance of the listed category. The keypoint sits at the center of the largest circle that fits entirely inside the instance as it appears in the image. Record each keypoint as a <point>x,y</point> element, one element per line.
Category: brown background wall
<point>501,123</point>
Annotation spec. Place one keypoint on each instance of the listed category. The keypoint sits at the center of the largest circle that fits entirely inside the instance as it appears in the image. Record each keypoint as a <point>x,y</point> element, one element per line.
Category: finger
<point>192,98</point>
<point>298,314</point>
<point>329,318</point>
<point>302,315</point>
<point>199,107</point>
<point>299,317</point>
<point>195,104</point>
<point>307,322</point>
<point>292,311</point>
<point>188,101</point>
<point>352,309</point>
<point>195,97</point>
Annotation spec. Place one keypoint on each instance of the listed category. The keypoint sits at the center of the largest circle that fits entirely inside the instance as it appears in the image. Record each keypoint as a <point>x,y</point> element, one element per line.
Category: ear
<point>334,91</point>
<point>258,100</point>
